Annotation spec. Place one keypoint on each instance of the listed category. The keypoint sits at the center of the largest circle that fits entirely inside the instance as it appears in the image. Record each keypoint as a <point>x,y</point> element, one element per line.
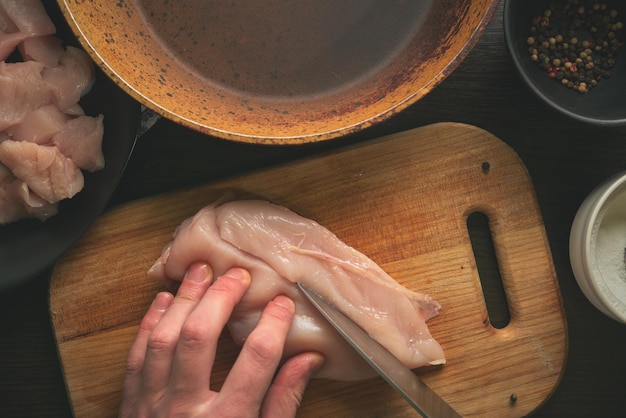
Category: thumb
<point>285,394</point>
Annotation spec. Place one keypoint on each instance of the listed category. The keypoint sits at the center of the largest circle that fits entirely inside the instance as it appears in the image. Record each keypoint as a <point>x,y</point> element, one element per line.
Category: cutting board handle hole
<point>488,269</point>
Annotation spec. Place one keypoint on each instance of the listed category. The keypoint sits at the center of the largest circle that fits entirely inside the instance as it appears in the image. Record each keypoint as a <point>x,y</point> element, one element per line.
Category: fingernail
<point>198,273</point>
<point>238,274</point>
<point>162,301</point>
<point>316,362</point>
<point>157,271</point>
<point>285,302</point>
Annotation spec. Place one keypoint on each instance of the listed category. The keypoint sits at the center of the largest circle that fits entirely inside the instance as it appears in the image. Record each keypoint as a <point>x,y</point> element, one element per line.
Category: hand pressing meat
<point>280,248</point>
<point>45,137</point>
<point>169,365</point>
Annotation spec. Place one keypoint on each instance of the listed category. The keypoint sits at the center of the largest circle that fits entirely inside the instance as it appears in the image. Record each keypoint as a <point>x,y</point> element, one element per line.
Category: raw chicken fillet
<point>281,248</point>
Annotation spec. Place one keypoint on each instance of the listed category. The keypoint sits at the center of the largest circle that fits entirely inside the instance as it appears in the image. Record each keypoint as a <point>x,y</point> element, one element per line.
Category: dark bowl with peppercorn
<point>570,53</point>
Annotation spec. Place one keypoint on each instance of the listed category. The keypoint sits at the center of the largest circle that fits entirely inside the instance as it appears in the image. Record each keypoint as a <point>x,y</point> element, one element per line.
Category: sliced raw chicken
<point>80,139</point>
<point>8,43</point>
<point>39,125</point>
<point>281,248</point>
<point>18,201</point>
<point>45,136</point>
<point>29,16</point>
<point>6,23</point>
<point>74,110</point>
<point>22,90</point>
<point>46,171</point>
<point>71,78</point>
<point>35,206</point>
<point>45,49</point>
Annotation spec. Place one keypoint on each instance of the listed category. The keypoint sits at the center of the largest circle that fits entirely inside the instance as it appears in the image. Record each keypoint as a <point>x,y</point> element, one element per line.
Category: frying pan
<point>278,71</point>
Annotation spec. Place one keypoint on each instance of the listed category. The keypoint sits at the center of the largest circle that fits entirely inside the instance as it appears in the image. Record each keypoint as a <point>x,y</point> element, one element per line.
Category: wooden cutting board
<point>404,201</point>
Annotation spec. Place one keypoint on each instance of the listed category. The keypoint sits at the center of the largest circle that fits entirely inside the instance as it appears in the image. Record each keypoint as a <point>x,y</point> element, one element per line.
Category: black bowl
<point>28,247</point>
<point>604,105</point>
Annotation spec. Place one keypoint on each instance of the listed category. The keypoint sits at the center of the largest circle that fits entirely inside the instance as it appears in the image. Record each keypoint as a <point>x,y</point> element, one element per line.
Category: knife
<point>422,398</point>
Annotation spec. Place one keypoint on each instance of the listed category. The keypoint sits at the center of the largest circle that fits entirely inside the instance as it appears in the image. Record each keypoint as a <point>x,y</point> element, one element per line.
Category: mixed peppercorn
<point>576,42</point>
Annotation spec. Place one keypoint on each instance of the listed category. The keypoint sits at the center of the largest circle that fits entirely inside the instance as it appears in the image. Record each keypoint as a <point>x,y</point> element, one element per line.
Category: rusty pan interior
<point>278,71</point>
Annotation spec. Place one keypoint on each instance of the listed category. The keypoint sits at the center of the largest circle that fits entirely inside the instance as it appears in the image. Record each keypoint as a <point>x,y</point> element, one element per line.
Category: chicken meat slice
<point>80,139</point>
<point>72,78</point>
<point>28,16</point>
<point>47,172</point>
<point>22,89</point>
<point>281,248</point>
<point>39,125</point>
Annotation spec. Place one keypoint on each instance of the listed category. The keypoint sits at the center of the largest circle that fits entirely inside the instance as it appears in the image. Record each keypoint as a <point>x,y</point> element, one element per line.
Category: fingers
<point>161,343</point>
<point>285,394</point>
<point>137,353</point>
<point>252,373</point>
<point>199,336</point>
<point>170,362</point>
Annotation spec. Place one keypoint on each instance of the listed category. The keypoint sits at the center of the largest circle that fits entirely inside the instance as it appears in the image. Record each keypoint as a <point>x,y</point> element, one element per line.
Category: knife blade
<point>422,398</point>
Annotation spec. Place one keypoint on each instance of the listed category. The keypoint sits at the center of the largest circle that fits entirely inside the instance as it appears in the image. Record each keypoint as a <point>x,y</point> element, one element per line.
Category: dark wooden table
<point>566,160</point>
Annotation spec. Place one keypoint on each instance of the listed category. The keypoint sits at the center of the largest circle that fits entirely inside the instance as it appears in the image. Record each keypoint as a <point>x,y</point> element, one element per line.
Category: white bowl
<point>597,247</point>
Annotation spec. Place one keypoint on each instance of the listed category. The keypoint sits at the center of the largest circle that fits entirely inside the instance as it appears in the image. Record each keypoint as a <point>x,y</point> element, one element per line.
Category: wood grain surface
<point>403,200</point>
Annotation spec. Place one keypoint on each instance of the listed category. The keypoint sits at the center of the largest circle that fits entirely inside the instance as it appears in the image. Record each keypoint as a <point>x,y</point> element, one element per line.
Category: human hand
<point>169,364</point>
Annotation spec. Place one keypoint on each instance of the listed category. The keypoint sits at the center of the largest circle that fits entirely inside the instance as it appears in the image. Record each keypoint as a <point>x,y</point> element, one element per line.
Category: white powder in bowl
<point>609,249</point>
